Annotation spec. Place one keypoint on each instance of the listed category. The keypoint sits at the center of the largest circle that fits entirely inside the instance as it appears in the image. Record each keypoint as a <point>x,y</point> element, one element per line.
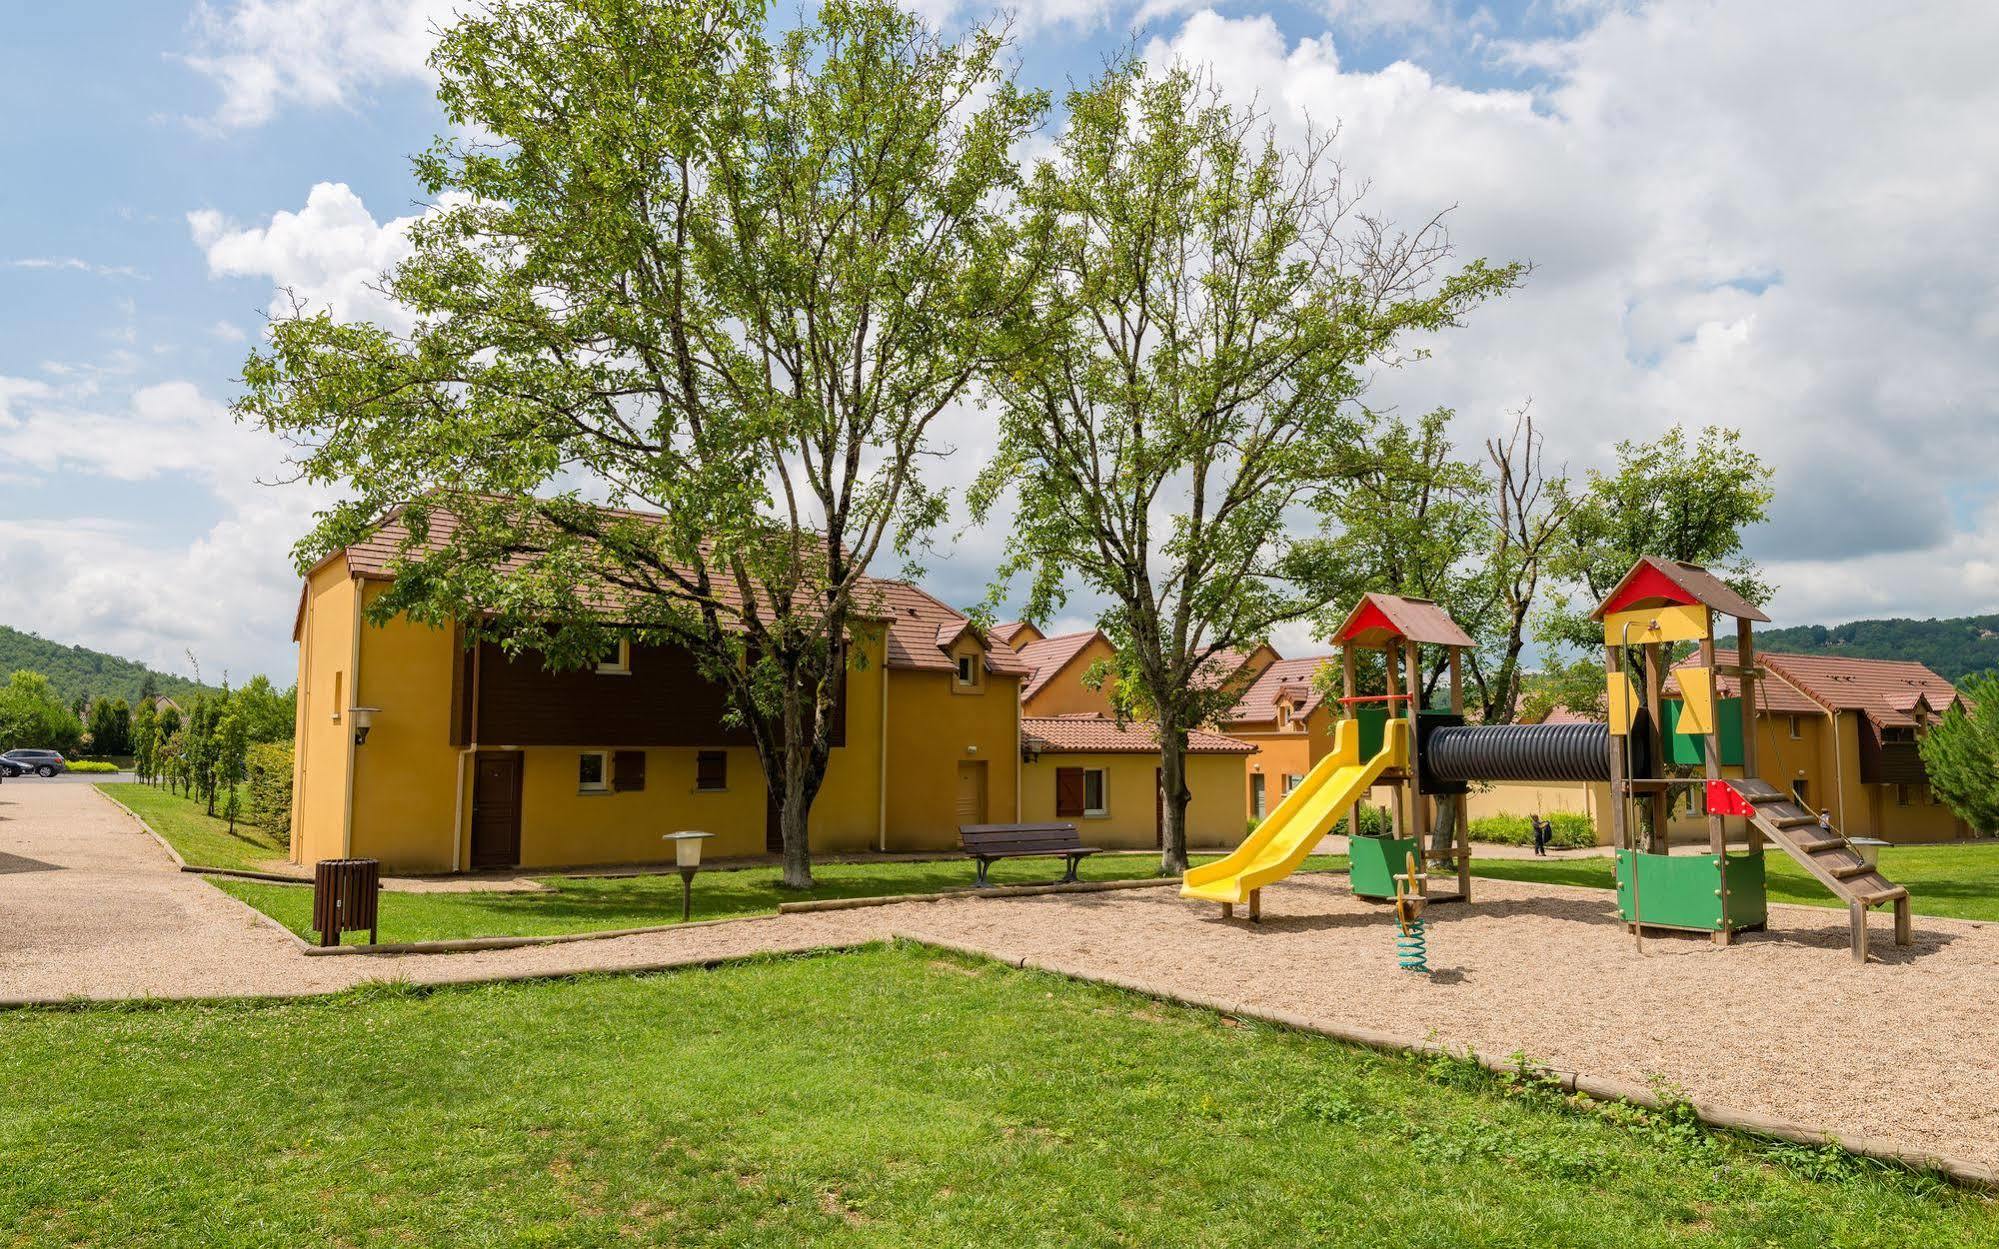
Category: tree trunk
<point>794,806</point>
<point>1173,785</point>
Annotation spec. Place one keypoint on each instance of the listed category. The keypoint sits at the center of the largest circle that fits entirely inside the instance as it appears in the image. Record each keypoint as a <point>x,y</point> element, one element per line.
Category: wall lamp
<point>363,719</point>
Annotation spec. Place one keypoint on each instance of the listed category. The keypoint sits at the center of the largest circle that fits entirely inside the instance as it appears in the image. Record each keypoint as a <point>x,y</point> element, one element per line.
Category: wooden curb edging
<point>997,891</point>
<point>1597,1088</point>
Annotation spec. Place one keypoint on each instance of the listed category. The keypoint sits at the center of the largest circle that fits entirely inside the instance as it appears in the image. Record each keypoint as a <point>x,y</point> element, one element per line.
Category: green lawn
<point>201,839</point>
<point>587,904</point>
<point>893,1096</point>
<point>1956,881</point>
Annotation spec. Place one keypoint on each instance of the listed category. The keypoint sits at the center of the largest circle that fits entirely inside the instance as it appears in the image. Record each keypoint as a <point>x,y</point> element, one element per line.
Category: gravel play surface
<point>1782,1023</point>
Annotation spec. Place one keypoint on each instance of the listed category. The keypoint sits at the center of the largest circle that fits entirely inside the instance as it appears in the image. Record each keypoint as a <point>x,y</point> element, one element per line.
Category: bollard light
<point>687,857</point>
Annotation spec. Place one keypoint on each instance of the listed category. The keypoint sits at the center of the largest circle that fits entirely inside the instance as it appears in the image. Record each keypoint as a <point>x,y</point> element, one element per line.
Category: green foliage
<point>1961,754</point>
<point>202,840</point>
<point>1196,372</point>
<point>267,714</point>
<point>724,273</point>
<point>1955,648</point>
<point>91,766</point>
<point>77,672</point>
<point>1573,830</point>
<point>110,727</point>
<point>269,765</point>
<point>34,717</point>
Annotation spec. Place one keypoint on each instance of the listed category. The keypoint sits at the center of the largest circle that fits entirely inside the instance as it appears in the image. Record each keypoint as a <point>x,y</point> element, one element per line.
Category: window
<point>1904,795</point>
<point>1256,795</point>
<point>968,672</point>
<point>338,702</point>
<point>592,773</point>
<point>1095,800</point>
<point>628,771</point>
<point>617,659</point>
<point>1797,729</point>
<point>711,770</point>
<point>1293,780</point>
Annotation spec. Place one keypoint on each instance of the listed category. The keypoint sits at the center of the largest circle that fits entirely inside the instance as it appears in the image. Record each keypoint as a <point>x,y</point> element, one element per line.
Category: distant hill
<point>74,671</point>
<point>1953,649</point>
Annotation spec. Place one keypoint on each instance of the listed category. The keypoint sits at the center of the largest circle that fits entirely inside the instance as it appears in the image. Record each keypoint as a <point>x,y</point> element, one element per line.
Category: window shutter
<point>1068,792</point>
<point>628,771</point>
<point>711,770</point>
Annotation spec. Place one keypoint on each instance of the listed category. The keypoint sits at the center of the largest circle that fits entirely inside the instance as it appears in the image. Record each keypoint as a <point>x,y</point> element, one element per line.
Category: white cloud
<point>330,254</point>
<point>150,587</point>
<point>227,331</point>
<point>1773,221</point>
<point>74,264</point>
<point>265,55</point>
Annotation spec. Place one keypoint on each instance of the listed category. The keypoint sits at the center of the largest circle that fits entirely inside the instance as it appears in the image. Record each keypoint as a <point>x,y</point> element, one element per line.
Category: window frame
<point>1259,804</point>
<point>1103,810</point>
<point>622,665</point>
<point>1797,726</point>
<point>721,757</point>
<point>966,671</point>
<point>602,785</point>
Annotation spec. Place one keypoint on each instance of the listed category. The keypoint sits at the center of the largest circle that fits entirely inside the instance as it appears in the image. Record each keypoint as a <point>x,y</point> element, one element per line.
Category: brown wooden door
<point>972,793</point>
<point>496,810</point>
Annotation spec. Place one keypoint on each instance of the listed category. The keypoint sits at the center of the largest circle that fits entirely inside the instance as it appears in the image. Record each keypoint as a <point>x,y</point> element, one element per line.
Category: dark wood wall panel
<point>663,701</point>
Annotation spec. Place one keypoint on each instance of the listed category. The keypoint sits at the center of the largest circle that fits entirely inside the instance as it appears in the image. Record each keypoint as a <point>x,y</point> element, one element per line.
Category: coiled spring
<point>1412,948</point>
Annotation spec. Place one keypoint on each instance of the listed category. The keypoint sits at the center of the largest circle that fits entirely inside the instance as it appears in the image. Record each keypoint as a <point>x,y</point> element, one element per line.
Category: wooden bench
<point>989,843</point>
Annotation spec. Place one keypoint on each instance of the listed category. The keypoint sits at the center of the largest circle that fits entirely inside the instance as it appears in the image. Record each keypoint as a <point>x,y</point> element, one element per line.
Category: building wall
<point>1065,694</point>
<point>1131,783</point>
<point>407,776</point>
<point>562,827</point>
<point>932,727</point>
<point>324,736</point>
<point>1294,751</point>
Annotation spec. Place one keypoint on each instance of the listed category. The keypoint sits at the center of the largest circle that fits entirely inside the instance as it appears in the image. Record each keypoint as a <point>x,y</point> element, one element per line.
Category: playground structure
<point>1428,758</point>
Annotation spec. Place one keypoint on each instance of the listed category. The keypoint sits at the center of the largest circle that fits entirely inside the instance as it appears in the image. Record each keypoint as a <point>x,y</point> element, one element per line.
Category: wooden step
<point>1821,846</point>
<point>1843,871</point>
<point>1791,821</point>
<point>1890,894</point>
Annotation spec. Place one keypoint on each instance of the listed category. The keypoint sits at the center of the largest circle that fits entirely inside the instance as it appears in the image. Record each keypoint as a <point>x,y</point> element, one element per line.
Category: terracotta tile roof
<point>1004,632</point>
<point>1049,656</point>
<point>1559,714</point>
<point>1093,734</point>
<point>1379,617</point>
<point>920,627</point>
<point>1291,678</point>
<point>1885,690</point>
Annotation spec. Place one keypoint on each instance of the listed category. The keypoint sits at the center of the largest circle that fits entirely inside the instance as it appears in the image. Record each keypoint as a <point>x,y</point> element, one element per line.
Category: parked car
<point>40,762</point>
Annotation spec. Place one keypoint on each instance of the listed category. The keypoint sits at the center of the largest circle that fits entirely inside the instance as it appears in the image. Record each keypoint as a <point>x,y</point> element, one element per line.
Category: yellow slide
<point>1307,814</point>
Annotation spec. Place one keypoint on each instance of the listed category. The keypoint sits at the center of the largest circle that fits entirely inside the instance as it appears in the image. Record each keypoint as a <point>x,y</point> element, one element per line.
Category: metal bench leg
<point>1069,877</point>
<point>981,882</point>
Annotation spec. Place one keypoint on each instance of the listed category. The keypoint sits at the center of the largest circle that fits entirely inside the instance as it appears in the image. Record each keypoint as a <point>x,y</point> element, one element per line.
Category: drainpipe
<point>347,729</point>
<point>881,786</point>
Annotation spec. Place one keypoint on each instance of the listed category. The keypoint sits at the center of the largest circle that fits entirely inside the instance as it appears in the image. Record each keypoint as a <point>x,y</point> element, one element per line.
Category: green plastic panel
<point>1692,751</point>
<point>1682,890</point>
<point>1375,862</point>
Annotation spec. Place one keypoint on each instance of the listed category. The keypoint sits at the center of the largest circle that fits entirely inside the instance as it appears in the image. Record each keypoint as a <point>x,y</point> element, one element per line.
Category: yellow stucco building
<point>473,759</point>
<point>1286,717</point>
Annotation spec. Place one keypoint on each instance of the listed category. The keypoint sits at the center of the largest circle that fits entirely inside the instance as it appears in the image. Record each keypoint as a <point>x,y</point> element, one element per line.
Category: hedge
<point>1573,831</point>
<point>270,805</point>
<point>91,765</point>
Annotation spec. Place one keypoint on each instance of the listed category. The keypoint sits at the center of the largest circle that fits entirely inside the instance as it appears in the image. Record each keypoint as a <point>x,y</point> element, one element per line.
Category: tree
<point>110,727</point>
<point>1213,306</point>
<point>727,277</point>
<point>267,715</point>
<point>1672,498</point>
<point>1961,753</point>
<point>1529,513</point>
<point>232,746</point>
<point>32,716</point>
<point>146,740</point>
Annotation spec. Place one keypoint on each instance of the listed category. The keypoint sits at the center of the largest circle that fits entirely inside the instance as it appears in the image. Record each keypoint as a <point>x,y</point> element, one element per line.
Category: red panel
<point>1646,585</point>
<point>1722,799</point>
<point>1369,617</point>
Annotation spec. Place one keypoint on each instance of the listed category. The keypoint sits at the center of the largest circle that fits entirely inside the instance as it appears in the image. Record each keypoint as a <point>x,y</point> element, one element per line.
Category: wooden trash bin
<point>346,895</point>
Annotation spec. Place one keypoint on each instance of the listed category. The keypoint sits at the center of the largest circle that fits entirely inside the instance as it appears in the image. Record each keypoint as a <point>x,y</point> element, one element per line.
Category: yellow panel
<point>1656,624</point>
<point>1620,703</point>
<point>1696,701</point>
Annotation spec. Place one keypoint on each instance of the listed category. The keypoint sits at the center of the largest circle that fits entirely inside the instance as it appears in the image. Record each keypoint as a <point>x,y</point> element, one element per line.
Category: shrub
<point>92,765</point>
<point>1573,831</point>
<point>270,784</point>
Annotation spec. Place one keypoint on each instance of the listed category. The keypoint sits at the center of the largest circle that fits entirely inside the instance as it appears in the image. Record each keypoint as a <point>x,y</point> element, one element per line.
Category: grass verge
<point>723,1108</point>
<point>1952,881</point>
<point>590,903</point>
<point>200,838</point>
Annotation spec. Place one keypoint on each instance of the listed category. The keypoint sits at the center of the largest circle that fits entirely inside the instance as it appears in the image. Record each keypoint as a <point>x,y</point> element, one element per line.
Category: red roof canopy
<point>1379,618</point>
<point>1656,582</point>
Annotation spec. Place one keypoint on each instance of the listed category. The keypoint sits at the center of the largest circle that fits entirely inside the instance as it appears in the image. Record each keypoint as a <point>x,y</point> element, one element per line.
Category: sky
<point>1777,216</point>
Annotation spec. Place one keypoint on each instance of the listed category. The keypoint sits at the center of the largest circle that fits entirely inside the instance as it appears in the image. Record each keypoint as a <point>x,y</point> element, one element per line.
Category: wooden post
<point>1350,679</point>
<point>1857,915</point>
<point>1463,839</point>
<point>1745,658</point>
<point>1256,906</point>
<point>1654,698</point>
<point>1392,669</point>
<point>1717,827</point>
<point>1413,675</point>
<point>1904,929</point>
<point>1620,794</point>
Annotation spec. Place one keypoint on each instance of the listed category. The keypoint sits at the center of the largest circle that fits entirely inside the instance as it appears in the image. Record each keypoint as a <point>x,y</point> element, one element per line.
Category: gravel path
<point>1782,1023</point>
